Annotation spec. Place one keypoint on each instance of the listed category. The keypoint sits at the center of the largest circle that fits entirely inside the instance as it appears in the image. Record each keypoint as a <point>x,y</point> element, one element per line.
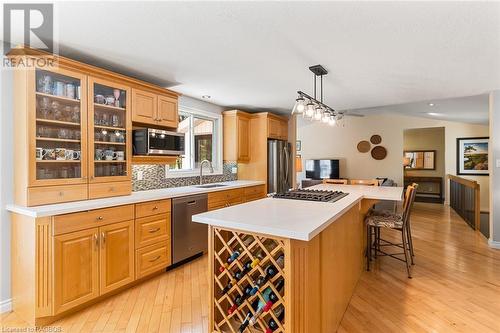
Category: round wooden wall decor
<point>376,139</point>
<point>379,153</point>
<point>364,146</point>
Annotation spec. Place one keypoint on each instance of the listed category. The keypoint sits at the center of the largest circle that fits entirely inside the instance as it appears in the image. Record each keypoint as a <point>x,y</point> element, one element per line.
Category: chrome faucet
<point>201,169</point>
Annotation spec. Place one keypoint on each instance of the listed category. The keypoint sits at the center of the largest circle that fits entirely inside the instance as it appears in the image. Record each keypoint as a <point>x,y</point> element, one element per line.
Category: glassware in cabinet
<point>57,151</point>
<point>109,131</point>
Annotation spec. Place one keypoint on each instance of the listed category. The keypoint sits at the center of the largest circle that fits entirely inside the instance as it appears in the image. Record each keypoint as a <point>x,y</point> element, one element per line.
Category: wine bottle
<point>270,244</point>
<point>248,240</point>
<point>257,284</point>
<point>230,259</point>
<point>245,323</point>
<point>270,271</point>
<point>261,306</point>
<point>257,259</point>
<point>279,313</point>
<point>234,255</point>
<point>226,288</point>
<point>236,303</point>
<point>281,261</point>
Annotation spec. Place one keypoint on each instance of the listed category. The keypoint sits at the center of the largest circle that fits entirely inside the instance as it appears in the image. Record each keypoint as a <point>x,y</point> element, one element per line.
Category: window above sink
<point>203,140</point>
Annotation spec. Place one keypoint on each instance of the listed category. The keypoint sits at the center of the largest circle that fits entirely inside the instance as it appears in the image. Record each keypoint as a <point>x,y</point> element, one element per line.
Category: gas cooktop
<point>312,195</point>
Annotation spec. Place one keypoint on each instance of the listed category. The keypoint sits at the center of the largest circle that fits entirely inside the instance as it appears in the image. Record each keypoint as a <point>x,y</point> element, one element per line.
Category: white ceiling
<point>255,55</point>
<point>471,109</point>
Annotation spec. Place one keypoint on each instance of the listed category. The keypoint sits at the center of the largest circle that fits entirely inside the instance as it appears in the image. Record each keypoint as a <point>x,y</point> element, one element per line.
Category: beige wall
<point>430,138</point>
<point>323,141</point>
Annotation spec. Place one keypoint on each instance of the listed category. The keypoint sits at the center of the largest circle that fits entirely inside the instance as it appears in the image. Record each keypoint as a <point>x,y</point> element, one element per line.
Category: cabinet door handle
<point>155,207</point>
<point>103,237</point>
<point>156,258</point>
<point>100,218</point>
<point>96,240</point>
<point>152,231</point>
<point>112,189</point>
<point>61,194</point>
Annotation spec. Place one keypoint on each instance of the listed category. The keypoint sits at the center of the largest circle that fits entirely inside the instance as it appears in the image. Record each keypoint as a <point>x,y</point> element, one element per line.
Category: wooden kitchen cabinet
<point>110,139</point>
<point>152,109</point>
<point>76,268</point>
<point>67,118</point>
<point>144,107</point>
<point>236,136</point>
<point>92,262</point>
<point>116,255</point>
<point>167,111</point>
<point>277,127</point>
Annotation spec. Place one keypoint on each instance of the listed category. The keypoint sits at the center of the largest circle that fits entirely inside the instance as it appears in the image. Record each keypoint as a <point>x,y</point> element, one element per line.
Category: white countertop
<point>135,197</point>
<point>295,219</point>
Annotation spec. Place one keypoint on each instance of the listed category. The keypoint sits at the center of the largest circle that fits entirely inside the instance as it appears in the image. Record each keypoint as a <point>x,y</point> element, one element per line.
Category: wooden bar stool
<point>335,181</point>
<point>367,182</point>
<point>399,222</point>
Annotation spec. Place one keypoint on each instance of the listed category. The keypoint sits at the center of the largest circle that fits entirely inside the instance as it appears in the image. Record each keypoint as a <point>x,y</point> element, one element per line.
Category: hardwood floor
<point>455,288</point>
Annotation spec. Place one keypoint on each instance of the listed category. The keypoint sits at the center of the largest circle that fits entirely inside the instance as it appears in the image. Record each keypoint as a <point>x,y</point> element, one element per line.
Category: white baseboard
<point>494,244</point>
<point>6,305</point>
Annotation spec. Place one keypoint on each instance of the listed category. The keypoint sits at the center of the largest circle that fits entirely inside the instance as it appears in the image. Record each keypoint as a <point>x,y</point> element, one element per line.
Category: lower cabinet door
<point>76,268</point>
<point>116,255</point>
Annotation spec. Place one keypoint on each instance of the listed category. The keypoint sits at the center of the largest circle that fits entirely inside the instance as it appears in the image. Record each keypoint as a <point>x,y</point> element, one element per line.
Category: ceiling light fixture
<point>315,109</point>
<point>431,104</point>
<point>434,114</point>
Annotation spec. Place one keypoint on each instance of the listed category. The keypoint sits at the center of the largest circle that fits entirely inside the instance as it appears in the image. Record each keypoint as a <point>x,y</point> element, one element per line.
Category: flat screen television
<point>321,169</point>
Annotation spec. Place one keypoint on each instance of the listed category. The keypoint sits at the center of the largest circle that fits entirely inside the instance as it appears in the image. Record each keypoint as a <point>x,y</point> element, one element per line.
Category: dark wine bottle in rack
<point>230,259</point>
<point>279,313</point>
<point>226,288</point>
<point>270,271</point>
<point>257,284</point>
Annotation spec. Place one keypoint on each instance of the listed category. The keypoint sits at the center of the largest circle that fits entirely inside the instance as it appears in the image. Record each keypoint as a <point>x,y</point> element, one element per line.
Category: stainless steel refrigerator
<point>279,166</point>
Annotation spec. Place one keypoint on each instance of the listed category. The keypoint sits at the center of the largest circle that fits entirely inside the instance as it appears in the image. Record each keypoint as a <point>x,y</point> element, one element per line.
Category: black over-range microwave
<point>150,141</point>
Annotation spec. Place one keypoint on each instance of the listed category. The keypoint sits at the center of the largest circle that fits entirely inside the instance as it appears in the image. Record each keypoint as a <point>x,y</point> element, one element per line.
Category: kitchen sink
<point>210,185</point>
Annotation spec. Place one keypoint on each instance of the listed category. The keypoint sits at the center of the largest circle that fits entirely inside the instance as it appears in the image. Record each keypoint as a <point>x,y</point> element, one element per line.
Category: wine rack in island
<point>248,282</point>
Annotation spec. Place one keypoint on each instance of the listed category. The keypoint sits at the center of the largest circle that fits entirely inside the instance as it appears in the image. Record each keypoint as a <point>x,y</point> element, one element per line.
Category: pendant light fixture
<point>312,108</point>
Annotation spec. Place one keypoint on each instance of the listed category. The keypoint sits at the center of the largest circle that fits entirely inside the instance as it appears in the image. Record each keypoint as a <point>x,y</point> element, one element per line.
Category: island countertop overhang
<point>294,219</point>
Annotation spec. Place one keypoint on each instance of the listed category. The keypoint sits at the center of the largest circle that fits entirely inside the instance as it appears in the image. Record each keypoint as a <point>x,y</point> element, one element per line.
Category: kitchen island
<point>289,265</point>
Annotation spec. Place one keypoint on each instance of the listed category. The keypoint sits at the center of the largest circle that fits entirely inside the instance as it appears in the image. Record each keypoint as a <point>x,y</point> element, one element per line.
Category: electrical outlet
<point>234,170</point>
<point>140,175</point>
<point>498,163</point>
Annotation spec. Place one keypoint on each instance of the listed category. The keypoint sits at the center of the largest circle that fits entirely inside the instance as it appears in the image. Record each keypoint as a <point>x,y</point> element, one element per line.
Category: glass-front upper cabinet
<point>58,123</point>
<point>110,127</point>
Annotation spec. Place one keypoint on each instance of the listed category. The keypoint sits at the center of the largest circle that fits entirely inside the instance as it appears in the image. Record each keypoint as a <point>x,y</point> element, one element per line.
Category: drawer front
<point>152,208</point>
<point>92,218</point>
<point>56,194</point>
<point>152,258</point>
<point>151,230</point>
<point>113,189</point>
<point>226,203</point>
<point>222,196</point>
<point>253,197</point>
<point>253,190</point>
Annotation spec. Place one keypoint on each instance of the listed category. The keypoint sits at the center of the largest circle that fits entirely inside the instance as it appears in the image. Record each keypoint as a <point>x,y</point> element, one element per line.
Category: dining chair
<point>400,222</point>
<point>368,182</point>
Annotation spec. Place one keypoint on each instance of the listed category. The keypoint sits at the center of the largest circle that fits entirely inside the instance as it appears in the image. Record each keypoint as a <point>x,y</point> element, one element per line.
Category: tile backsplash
<point>154,177</point>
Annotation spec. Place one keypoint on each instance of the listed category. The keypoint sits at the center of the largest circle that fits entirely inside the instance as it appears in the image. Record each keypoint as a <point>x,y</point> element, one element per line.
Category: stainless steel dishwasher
<point>188,238</point>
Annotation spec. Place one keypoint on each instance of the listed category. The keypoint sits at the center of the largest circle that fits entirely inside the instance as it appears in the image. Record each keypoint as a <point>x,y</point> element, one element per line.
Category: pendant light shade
<point>318,114</point>
<point>300,105</point>
<point>326,117</point>
<point>315,109</point>
<point>309,110</point>
<point>332,121</point>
